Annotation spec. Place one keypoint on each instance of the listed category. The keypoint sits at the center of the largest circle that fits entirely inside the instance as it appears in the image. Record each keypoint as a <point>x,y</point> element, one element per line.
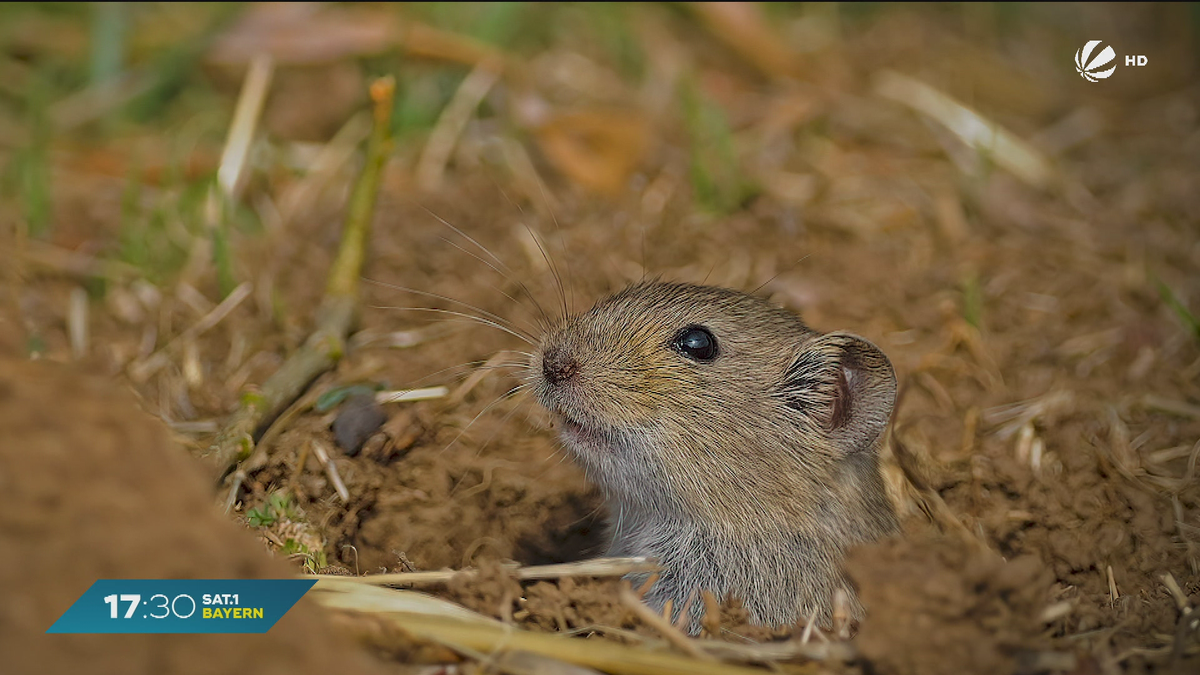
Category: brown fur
<point>746,475</point>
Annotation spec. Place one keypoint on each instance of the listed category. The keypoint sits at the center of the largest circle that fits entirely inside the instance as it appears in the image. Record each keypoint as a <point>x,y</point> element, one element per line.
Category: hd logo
<point>1094,67</point>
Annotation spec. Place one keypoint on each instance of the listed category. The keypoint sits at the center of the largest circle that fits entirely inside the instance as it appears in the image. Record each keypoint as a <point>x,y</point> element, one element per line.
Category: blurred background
<point>1012,217</point>
<point>126,107</point>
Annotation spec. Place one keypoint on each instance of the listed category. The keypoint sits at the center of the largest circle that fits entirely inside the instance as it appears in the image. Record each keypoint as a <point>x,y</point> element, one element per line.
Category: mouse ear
<point>845,385</point>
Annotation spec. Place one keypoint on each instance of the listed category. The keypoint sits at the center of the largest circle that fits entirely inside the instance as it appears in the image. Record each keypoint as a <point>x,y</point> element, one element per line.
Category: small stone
<point>359,417</point>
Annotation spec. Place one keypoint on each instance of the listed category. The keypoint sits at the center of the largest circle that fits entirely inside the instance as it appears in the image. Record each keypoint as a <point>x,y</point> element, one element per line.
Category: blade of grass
<point>336,314</point>
<point>972,300</point>
<point>108,40</point>
<point>718,184</point>
<point>458,628</point>
<point>1190,322</point>
<point>231,171</point>
<point>32,163</point>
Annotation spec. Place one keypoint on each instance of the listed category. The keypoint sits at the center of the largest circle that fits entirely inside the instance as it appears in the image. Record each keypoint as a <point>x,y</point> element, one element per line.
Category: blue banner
<point>182,606</point>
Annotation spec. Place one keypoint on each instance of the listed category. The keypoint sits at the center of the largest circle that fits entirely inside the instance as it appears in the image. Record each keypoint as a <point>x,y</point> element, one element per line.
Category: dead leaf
<point>597,149</point>
<point>299,33</point>
<point>742,26</point>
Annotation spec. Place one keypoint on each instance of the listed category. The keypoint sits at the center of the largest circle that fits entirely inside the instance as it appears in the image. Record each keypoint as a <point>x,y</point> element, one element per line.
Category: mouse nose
<point>558,366</point>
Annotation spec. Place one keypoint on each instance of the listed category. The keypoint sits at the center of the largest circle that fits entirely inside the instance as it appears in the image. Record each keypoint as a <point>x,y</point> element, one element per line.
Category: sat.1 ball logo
<point>1091,67</point>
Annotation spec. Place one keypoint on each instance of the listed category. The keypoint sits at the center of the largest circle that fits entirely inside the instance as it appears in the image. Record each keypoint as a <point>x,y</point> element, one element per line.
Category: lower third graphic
<point>182,606</point>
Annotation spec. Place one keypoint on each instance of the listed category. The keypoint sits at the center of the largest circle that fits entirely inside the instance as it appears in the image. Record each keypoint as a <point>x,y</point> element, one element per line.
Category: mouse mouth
<point>573,429</point>
<point>571,425</point>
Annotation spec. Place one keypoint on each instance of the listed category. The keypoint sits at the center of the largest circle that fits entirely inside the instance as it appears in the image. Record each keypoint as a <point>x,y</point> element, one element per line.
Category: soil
<point>96,489</point>
<point>1042,455</point>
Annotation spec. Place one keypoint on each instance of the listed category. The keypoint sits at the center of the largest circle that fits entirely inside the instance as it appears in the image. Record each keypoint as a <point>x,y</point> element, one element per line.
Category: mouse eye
<point>696,342</point>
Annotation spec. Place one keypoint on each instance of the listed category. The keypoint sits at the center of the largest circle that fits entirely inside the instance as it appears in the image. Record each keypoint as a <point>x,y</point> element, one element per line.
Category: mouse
<point>731,442</point>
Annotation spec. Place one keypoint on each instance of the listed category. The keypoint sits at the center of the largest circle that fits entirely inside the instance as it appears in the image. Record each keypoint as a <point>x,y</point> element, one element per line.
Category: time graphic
<point>181,606</point>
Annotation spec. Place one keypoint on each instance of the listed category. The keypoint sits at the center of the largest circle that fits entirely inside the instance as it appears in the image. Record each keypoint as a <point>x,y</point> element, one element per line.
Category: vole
<point>732,442</point>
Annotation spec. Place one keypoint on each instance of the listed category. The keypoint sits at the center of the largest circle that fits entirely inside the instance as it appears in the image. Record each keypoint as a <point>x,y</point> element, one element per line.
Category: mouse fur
<point>745,475</point>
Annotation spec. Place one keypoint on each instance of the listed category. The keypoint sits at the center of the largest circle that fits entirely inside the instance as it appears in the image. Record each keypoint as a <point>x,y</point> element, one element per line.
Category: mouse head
<point>693,395</point>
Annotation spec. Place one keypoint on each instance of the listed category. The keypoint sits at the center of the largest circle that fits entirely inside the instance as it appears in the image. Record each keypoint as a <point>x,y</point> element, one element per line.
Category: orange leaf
<point>597,149</point>
<point>742,26</point>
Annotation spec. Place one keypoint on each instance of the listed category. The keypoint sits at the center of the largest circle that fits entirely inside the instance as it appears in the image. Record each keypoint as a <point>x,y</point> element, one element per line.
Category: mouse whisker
<point>568,303</point>
<point>543,318</point>
<point>503,193</point>
<point>558,283</point>
<point>491,315</point>
<point>498,326</point>
<point>780,273</point>
<point>500,366</point>
<point>456,370</point>
<point>483,445</point>
<point>502,397</point>
<point>503,269</point>
<point>512,394</point>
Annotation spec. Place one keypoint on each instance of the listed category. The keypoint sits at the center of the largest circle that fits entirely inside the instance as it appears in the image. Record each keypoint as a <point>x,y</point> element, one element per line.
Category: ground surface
<point>99,491</point>
<point>1043,452</point>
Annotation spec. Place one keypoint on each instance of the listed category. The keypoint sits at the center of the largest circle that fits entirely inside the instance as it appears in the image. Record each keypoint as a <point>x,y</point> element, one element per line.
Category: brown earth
<point>1043,451</point>
<point>96,489</point>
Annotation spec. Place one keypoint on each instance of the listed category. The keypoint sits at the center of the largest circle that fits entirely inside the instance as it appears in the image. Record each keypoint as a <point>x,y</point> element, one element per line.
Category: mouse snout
<point>558,366</point>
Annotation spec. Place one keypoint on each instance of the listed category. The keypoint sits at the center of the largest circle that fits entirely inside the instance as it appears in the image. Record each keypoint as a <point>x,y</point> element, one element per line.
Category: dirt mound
<point>95,489</point>
<point>967,609</point>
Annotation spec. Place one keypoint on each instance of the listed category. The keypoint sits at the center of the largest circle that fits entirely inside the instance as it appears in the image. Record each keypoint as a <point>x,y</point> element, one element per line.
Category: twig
<point>336,314</point>
<point>401,395</point>
<point>194,427</point>
<point>298,471</point>
<point>460,393</point>
<point>780,651</point>
<point>235,486</point>
<point>335,154</point>
<point>1187,623</point>
<point>1056,611</point>
<point>663,626</point>
<point>598,567</point>
<point>281,423</point>
<point>453,120</point>
<point>245,121</point>
<point>1177,594</point>
<point>318,449</point>
<point>808,627</point>
<point>841,613</point>
<point>1178,408</point>
<point>231,169</point>
<point>444,623</point>
<point>77,322</point>
<point>48,257</point>
<point>143,369</point>
<point>973,129</point>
